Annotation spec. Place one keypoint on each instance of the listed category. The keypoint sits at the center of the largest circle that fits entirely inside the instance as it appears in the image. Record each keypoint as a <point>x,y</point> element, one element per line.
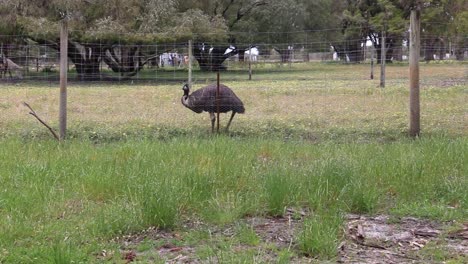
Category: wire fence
<point>26,59</point>
<point>292,93</point>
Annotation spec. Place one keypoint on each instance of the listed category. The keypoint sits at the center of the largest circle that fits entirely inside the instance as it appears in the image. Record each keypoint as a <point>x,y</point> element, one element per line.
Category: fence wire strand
<point>122,61</point>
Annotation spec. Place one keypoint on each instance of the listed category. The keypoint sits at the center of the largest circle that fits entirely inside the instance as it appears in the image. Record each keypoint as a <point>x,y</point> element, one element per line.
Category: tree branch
<point>242,12</point>
<point>33,113</point>
<point>215,9</point>
<point>227,8</point>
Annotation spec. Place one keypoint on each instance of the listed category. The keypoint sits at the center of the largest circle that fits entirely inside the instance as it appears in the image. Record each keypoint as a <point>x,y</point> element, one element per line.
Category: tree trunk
<point>459,53</point>
<point>389,52</point>
<point>340,52</point>
<point>127,61</point>
<point>123,59</point>
<point>350,51</point>
<point>305,55</point>
<point>376,40</point>
<point>87,59</point>
<point>398,53</point>
<point>459,45</point>
<point>241,56</point>
<point>285,54</point>
<point>441,48</point>
<point>355,54</point>
<point>428,50</point>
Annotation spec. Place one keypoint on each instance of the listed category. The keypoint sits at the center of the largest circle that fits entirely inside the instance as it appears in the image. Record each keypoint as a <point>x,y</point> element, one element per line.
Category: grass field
<point>323,139</point>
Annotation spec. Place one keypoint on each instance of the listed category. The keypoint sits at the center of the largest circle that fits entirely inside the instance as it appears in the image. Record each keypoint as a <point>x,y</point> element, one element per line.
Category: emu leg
<point>213,119</point>
<point>229,123</point>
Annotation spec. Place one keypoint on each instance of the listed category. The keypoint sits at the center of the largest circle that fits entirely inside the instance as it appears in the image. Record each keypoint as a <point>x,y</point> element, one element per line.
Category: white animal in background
<point>251,54</point>
<point>229,50</point>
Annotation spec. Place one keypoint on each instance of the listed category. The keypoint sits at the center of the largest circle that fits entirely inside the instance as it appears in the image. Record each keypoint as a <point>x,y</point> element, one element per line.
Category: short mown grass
<point>325,140</point>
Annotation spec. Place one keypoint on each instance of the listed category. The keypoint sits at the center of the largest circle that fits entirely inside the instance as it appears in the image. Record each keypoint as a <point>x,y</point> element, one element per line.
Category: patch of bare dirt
<point>377,239</point>
<point>382,239</point>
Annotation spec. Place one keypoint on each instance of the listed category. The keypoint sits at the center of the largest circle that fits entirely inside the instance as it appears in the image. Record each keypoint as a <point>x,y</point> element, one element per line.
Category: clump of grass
<point>62,253</point>
<point>226,208</point>
<point>114,218</point>
<point>159,206</point>
<point>284,256</point>
<point>278,187</point>
<point>360,198</point>
<point>247,236</point>
<point>320,235</point>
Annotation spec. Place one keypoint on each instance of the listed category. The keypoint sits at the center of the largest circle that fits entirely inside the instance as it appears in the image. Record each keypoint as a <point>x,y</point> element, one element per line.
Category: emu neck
<point>184,100</point>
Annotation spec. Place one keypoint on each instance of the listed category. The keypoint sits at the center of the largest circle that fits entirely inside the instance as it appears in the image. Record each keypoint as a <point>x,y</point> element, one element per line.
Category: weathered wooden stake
<point>27,59</point>
<point>190,48</point>
<point>63,79</point>
<point>250,63</point>
<point>382,61</point>
<point>414,118</point>
<point>217,102</point>
<point>372,64</point>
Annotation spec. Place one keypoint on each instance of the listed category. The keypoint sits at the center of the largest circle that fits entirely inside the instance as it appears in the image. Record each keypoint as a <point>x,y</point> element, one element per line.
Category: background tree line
<point>115,31</point>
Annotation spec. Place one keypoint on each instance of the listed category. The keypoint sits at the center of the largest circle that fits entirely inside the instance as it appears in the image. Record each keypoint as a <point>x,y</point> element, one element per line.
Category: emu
<point>204,99</point>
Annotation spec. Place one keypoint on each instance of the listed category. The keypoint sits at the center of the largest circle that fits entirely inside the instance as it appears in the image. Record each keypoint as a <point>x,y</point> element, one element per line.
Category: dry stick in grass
<point>33,113</point>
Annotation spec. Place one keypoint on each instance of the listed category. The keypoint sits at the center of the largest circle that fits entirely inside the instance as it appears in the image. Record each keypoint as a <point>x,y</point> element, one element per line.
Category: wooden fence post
<point>190,48</point>
<point>382,61</point>
<point>414,118</point>
<point>63,79</point>
<point>372,63</point>
<point>250,63</point>
<point>218,101</point>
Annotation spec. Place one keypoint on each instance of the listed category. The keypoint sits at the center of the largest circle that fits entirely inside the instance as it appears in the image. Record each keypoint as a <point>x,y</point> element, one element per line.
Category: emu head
<point>186,89</point>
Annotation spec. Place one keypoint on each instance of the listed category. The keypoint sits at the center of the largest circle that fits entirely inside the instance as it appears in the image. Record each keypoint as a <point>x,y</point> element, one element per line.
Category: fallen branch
<point>33,113</point>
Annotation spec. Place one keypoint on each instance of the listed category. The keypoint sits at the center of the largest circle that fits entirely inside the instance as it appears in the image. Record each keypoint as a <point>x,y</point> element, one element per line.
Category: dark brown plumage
<point>204,99</point>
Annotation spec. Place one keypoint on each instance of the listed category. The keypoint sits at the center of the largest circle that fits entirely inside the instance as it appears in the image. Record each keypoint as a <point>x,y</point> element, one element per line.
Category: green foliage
<point>279,18</point>
<point>200,27</point>
<point>213,21</point>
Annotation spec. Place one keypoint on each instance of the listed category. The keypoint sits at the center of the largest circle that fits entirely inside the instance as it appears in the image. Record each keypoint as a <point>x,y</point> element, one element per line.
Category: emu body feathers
<point>204,99</point>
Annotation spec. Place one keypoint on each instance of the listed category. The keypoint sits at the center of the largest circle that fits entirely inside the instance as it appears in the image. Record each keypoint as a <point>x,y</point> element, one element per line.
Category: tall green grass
<point>320,235</point>
<point>66,201</point>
